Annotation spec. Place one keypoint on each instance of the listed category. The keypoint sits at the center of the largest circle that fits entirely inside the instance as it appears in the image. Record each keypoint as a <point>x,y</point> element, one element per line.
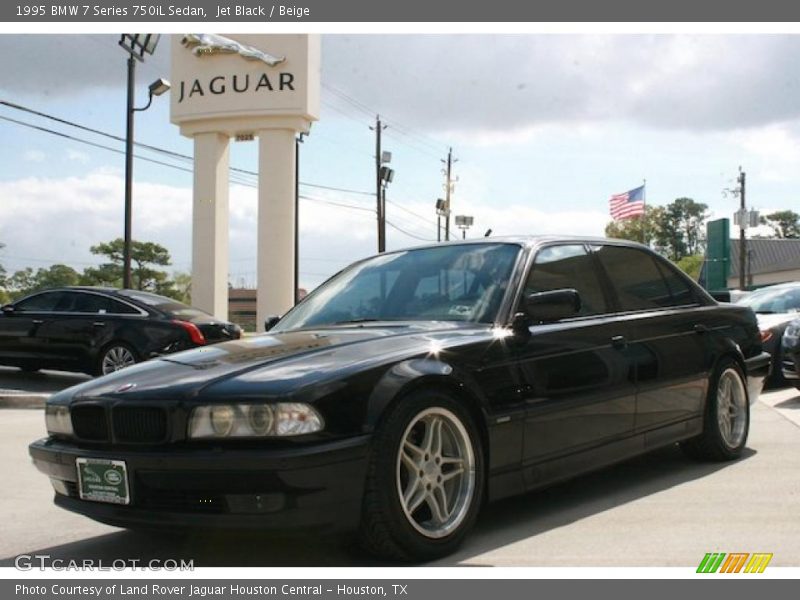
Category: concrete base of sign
<point>210,224</point>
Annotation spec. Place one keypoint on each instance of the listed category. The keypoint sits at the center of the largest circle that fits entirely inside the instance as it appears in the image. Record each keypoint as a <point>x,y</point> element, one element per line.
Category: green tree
<point>144,256</point>
<point>691,265</point>
<point>57,275</point>
<point>643,229</point>
<point>680,231</point>
<point>785,223</point>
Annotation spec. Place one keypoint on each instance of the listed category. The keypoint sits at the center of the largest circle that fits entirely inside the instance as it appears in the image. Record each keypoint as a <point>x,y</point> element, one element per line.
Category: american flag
<point>627,205</point>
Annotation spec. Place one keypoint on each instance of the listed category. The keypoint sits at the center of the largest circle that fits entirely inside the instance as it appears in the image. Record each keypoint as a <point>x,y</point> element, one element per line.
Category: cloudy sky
<point>545,129</point>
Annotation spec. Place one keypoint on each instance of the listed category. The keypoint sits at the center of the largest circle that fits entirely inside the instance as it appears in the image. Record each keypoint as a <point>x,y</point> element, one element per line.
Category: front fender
<point>413,374</point>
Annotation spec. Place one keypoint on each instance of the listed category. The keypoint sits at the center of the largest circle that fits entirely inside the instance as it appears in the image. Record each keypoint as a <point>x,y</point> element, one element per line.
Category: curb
<point>19,399</point>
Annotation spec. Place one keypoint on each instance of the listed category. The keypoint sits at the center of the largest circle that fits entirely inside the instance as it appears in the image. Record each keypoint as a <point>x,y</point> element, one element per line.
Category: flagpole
<point>644,213</point>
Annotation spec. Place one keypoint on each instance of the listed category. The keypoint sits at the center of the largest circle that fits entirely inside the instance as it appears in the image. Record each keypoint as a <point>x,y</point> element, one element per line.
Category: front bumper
<point>790,363</point>
<point>757,370</point>
<point>316,487</point>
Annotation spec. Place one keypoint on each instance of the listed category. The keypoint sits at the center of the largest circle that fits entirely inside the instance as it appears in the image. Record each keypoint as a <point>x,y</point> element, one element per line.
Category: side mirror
<point>8,309</point>
<point>270,322</point>
<point>546,307</point>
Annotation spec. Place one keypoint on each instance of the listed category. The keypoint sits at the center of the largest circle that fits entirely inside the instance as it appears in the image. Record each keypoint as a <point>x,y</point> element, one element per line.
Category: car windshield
<point>464,282</point>
<point>777,300</point>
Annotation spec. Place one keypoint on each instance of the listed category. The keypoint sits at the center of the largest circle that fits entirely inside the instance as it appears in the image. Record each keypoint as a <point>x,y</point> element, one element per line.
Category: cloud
<point>512,82</point>
<point>50,220</point>
<point>77,156</point>
<point>488,83</point>
<point>34,156</point>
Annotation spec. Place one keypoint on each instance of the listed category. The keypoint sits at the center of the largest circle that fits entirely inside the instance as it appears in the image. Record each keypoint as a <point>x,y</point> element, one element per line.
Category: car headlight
<point>57,419</point>
<point>253,420</point>
<point>792,334</point>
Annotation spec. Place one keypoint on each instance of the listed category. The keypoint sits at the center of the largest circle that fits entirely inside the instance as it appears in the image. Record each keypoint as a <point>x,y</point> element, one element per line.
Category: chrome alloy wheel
<point>435,472</point>
<point>731,408</point>
<point>116,358</point>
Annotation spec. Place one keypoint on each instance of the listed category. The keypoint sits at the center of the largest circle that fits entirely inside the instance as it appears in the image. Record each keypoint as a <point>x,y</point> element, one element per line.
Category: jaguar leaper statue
<point>204,44</point>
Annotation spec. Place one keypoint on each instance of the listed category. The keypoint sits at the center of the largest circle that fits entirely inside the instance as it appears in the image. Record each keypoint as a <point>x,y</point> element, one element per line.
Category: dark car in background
<point>409,390</point>
<point>775,306</point>
<point>101,330</point>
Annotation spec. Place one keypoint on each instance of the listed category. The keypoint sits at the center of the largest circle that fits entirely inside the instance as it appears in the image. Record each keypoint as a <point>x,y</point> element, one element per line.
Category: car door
<point>20,328</point>
<point>85,321</point>
<point>578,385</point>
<point>670,334</point>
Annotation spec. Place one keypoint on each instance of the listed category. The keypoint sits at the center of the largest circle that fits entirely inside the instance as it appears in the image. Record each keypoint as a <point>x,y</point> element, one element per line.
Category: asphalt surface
<point>30,390</point>
<point>658,510</point>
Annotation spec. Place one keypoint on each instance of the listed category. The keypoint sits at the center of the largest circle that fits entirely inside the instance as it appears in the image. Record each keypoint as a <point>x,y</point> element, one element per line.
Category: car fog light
<point>57,419</point>
<point>59,486</point>
<point>222,419</point>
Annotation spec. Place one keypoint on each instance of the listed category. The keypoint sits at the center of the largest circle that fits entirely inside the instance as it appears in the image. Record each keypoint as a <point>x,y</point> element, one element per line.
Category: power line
<point>171,153</point>
<point>411,235</point>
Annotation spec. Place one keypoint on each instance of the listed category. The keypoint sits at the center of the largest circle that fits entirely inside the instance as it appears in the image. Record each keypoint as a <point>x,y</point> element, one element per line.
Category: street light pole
<point>126,253</point>
<point>742,234</point>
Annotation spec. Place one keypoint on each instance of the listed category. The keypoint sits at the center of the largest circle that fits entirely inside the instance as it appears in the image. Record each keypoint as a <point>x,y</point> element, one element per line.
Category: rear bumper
<point>314,487</point>
<point>757,370</point>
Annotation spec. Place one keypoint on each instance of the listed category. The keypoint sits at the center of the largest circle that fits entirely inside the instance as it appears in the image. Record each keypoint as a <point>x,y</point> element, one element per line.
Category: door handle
<point>619,342</point>
<point>700,328</point>
<point>37,321</point>
<point>99,324</point>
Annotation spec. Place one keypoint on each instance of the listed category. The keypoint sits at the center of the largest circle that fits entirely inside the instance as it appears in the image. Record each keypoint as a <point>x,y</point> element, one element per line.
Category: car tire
<point>425,480</point>
<point>115,353</point>
<point>726,421</point>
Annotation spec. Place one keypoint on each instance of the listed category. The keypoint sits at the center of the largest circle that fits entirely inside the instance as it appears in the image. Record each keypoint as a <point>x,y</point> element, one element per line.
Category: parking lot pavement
<point>19,389</point>
<point>661,509</point>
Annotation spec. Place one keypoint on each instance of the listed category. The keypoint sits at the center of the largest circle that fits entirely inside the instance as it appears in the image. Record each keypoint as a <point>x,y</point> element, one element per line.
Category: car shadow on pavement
<point>529,515</point>
<point>502,523</point>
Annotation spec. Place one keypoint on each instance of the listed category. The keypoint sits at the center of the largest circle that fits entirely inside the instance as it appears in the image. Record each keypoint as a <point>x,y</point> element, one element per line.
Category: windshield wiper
<point>360,320</point>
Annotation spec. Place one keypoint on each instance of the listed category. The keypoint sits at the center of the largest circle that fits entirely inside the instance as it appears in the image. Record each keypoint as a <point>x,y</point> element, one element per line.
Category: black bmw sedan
<point>411,389</point>
<point>101,330</point>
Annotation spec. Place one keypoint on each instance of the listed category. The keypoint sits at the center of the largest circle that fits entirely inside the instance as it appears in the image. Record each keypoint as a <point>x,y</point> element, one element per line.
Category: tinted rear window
<point>172,308</point>
<point>636,278</point>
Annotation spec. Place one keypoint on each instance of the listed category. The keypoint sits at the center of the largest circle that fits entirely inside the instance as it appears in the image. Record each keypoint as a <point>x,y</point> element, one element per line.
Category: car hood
<point>770,320</point>
<point>280,362</point>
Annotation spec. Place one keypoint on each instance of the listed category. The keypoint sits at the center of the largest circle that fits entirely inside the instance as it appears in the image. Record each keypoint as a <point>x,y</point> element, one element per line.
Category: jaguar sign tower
<point>246,87</point>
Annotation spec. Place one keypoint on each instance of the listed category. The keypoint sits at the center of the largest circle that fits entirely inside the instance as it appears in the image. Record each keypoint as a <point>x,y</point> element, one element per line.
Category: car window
<point>97,304</point>
<point>568,267</point>
<point>45,302</point>
<point>636,278</point>
<point>464,282</point>
<point>679,288</point>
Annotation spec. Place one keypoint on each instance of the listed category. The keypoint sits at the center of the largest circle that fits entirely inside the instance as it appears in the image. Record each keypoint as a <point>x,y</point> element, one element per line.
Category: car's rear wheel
<point>727,416</point>
<point>114,357</point>
<point>425,480</point>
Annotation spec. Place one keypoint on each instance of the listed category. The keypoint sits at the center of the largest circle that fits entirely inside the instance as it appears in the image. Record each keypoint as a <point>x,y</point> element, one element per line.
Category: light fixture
<point>159,86</point>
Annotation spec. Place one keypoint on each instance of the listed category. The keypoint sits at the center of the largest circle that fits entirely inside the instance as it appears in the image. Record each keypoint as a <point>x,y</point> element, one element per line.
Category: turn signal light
<point>766,335</point>
<point>194,332</point>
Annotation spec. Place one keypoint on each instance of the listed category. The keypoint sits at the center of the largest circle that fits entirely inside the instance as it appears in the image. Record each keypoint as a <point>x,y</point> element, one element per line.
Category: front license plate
<point>102,480</point>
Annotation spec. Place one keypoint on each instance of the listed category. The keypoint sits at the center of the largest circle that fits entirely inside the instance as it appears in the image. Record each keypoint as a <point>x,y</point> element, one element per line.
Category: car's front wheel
<point>114,357</point>
<point>727,416</point>
<point>425,480</point>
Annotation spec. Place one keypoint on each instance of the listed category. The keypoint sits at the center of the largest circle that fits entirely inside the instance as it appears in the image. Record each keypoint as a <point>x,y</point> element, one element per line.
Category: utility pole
<point>128,239</point>
<point>742,229</point>
<point>448,188</point>
<point>380,206</point>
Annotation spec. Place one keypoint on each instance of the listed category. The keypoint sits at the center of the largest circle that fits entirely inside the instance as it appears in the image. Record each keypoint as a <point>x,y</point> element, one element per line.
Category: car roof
<point>530,241</point>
